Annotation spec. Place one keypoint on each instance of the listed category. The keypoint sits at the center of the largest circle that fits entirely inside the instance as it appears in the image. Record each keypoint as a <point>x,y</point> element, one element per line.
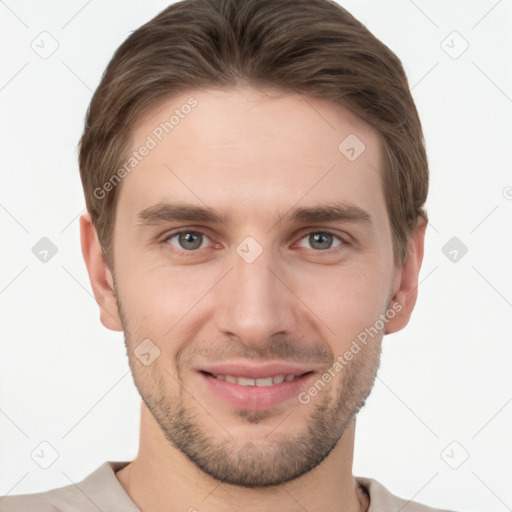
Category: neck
<point>161,478</point>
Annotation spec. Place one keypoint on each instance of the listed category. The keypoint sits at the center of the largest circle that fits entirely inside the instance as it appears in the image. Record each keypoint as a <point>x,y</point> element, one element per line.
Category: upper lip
<point>255,371</point>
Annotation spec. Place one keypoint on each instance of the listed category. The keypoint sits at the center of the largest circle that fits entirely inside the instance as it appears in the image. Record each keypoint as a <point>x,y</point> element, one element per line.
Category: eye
<point>322,240</point>
<point>187,240</point>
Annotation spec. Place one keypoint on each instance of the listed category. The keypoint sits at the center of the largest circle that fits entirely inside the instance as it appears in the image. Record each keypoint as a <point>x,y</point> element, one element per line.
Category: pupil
<point>190,238</point>
<point>319,238</point>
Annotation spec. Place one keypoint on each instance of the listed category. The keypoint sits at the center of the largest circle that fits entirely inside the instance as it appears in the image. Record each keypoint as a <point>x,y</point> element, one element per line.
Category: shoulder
<point>63,499</point>
<point>26,503</point>
<point>382,499</point>
<point>98,491</point>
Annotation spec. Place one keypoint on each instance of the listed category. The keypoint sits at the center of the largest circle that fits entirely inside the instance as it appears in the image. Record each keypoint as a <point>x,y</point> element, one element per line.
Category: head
<point>255,179</point>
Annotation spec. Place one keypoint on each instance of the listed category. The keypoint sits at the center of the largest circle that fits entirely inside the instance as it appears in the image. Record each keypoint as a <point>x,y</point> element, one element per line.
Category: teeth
<point>264,382</point>
<point>246,382</point>
<point>267,381</point>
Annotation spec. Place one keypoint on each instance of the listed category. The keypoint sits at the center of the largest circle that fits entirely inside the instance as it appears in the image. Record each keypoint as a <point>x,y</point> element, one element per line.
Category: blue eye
<point>322,240</point>
<point>187,240</point>
<point>191,240</point>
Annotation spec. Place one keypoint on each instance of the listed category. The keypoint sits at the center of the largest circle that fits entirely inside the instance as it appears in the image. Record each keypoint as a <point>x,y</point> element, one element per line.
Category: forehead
<point>253,151</point>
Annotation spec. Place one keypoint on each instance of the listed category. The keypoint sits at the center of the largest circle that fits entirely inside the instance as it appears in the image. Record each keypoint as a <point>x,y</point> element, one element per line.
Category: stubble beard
<point>278,457</point>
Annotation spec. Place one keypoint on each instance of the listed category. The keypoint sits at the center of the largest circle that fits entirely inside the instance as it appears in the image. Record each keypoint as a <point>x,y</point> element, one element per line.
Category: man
<point>255,176</point>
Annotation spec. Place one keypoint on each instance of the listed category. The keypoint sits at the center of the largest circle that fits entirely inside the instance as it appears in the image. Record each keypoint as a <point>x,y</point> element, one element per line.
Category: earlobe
<point>99,274</point>
<point>406,280</point>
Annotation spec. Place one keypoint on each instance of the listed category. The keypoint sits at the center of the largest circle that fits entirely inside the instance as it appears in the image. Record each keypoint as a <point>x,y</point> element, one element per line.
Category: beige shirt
<point>101,491</point>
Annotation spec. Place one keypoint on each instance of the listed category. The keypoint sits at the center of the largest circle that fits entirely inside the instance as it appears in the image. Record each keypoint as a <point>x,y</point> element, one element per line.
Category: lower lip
<point>255,397</point>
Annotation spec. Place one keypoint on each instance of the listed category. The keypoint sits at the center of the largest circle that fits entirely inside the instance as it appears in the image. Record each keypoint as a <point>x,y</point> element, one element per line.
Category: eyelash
<point>333,250</point>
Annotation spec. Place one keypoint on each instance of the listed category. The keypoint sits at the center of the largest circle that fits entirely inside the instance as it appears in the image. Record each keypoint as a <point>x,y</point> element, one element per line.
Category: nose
<point>254,302</point>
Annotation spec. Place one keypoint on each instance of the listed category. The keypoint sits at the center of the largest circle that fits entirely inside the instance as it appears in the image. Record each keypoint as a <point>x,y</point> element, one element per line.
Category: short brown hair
<point>313,47</point>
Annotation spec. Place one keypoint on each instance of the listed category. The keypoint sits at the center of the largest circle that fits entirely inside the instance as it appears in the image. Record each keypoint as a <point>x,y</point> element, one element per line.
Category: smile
<point>254,392</point>
<point>244,381</point>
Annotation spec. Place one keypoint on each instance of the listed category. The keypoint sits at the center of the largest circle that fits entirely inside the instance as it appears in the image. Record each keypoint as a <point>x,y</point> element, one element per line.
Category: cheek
<point>161,299</point>
<point>345,299</point>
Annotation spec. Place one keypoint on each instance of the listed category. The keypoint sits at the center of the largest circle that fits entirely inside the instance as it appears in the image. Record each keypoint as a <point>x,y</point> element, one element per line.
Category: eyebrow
<point>172,212</point>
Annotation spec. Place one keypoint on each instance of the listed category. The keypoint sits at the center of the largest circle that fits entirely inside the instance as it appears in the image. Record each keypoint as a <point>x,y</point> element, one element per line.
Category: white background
<point>64,378</point>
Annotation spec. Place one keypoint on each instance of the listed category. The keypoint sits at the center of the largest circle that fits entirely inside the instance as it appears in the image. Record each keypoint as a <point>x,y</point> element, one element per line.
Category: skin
<point>253,154</point>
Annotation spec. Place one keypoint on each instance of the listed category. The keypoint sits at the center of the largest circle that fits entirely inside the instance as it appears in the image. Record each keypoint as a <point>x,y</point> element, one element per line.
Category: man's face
<point>258,290</point>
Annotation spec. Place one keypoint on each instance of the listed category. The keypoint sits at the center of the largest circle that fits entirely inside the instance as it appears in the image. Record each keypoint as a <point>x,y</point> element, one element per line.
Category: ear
<point>405,288</point>
<point>99,274</point>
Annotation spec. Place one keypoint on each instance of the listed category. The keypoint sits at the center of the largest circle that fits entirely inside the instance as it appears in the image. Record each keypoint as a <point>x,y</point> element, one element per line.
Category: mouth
<point>253,387</point>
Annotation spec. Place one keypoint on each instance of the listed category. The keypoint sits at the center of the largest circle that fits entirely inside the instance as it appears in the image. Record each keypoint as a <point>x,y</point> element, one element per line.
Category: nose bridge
<point>254,304</point>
